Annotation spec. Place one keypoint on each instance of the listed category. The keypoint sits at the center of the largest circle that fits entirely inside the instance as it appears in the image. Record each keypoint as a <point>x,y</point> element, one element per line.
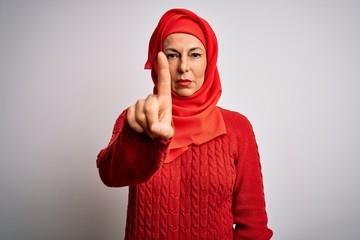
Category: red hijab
<point>196,119</point>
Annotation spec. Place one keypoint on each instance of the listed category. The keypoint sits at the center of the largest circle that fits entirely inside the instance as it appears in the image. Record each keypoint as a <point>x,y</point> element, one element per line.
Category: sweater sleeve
<point>250,217</point>
<point>130,157</point>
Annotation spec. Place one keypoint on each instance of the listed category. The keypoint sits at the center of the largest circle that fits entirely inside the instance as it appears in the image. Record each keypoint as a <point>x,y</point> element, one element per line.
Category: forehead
<point>182,40</point>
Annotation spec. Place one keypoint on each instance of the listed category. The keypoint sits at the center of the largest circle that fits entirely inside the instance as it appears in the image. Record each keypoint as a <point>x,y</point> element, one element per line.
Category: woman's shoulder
<point>233,117</point>
<point>237,124</point>
<point>238,127</point>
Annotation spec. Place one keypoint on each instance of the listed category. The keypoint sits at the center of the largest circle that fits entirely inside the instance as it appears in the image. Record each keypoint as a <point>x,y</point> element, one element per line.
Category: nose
<point>184,65</point>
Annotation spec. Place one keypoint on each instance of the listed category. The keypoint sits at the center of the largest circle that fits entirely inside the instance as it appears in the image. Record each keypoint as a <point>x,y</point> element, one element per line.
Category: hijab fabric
<point>196,119</point>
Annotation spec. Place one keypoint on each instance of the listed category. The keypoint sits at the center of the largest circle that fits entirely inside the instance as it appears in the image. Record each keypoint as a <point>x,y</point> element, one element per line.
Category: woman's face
<point>187,62</point>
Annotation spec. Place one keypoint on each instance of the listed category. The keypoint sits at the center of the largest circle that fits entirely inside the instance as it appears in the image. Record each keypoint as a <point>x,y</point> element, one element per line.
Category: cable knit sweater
<point>200,195</point>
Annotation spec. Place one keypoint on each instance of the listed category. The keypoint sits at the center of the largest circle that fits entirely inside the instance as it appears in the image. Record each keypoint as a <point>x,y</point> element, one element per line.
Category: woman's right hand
<point>153,115</point>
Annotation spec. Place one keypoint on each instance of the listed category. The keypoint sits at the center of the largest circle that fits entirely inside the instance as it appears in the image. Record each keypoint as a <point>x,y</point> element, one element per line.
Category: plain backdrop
<point>68,68</point>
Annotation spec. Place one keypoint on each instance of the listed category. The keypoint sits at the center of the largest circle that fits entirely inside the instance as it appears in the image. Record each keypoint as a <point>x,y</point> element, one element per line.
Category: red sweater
<point>199,195</point>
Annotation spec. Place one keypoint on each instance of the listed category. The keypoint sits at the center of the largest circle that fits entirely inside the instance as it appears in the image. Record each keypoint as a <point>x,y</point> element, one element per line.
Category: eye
<point>172,55</point>
<point>195,55</point>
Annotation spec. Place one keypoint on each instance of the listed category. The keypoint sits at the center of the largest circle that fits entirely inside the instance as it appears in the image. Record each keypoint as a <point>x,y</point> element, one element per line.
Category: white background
<point>68,68</point>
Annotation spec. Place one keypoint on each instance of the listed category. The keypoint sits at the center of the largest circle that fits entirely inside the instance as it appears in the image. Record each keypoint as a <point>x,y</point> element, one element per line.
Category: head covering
<point>196,119</point>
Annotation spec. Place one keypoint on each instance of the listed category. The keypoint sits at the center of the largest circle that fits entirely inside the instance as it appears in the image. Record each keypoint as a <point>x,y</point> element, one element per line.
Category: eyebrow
<point>191,49</point>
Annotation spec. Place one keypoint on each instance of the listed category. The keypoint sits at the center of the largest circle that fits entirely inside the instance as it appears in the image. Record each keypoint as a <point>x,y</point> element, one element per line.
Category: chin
<point>184,93</point>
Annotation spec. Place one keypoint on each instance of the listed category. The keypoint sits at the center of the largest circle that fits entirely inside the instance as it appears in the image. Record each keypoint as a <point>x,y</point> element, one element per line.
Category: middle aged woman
<point>193,168</point>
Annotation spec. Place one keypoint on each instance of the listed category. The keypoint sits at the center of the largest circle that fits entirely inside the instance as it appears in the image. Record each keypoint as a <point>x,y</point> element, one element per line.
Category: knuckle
<point>130,115</point>
<point>134,124</point>
<point>149,108</point>
<point>140,118</point>
<point>150,105</point>
<point>139,102</point>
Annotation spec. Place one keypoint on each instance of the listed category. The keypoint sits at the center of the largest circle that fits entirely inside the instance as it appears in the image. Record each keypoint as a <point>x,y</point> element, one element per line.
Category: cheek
<point>200,73</point>
<point>201,82</point>
<point>172,67</point>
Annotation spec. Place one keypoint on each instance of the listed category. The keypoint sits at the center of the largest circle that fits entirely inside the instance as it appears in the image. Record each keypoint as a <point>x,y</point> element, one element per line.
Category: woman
<point>192,168</point>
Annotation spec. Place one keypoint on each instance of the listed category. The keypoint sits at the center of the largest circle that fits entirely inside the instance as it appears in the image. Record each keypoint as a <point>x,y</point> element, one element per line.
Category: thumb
<point>165,131</point>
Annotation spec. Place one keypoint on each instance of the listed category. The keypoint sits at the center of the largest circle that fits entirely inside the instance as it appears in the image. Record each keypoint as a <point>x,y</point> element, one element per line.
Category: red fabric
<point>195,119</point>
<point>199,195</point>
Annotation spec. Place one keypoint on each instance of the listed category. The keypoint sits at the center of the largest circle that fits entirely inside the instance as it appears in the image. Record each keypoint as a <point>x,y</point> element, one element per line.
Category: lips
<point>183,82</point>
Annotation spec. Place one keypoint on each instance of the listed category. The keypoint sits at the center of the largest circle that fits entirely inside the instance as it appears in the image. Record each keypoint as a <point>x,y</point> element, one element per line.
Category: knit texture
<point>199,195</point>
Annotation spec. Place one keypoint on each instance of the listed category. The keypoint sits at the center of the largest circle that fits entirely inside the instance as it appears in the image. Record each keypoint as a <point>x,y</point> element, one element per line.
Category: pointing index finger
<point>164,77</point>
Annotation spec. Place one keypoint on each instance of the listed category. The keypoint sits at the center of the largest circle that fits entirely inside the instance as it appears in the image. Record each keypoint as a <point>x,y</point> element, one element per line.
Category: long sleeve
<point>250,217</point>
<point>130,157</point>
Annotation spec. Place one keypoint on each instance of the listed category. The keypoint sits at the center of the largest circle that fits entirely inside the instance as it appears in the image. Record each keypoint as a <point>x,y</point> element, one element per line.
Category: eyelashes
<point>176,55</point>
